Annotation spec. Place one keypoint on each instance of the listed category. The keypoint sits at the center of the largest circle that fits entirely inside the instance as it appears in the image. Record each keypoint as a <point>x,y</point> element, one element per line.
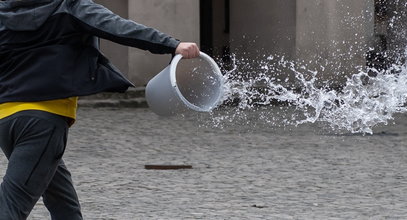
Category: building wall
<point>220,31</point>
<point>321,31</point>
<point>263,26</point>
<point>396,32</point>
<point>118,54</point>
<point>338,31</point>
<point>179,18</point>
<point>337,34</point>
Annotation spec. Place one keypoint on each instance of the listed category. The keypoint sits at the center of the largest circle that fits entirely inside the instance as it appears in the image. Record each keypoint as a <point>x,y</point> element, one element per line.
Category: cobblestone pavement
<point>238,172</point>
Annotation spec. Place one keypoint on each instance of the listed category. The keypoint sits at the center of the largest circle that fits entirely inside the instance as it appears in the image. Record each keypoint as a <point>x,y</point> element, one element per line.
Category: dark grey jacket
<point>49,48</point>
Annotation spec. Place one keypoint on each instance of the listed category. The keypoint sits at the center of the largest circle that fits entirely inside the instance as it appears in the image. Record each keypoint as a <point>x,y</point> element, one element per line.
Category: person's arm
<point>101,22</point>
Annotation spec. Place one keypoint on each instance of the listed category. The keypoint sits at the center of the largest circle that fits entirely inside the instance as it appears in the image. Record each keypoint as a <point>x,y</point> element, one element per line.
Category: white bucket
<point>186,84</point>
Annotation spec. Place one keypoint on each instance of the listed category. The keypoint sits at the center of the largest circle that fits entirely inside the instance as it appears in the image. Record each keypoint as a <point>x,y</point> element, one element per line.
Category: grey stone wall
<point>396,20</point>
<point>341,32</point>
<point>259,26</point>
<point>118,54</point>
<point>335,35</point>
<point>178,18</point>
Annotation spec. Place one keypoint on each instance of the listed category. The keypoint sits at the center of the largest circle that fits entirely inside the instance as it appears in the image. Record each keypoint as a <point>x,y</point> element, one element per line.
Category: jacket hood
<point>26,15</point>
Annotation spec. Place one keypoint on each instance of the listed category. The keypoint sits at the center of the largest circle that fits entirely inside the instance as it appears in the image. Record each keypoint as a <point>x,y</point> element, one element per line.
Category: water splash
<point>364,101</point>
<point>364,98</point>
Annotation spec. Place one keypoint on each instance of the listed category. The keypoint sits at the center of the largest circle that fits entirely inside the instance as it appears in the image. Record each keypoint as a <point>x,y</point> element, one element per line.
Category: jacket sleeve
<point>99,21</point>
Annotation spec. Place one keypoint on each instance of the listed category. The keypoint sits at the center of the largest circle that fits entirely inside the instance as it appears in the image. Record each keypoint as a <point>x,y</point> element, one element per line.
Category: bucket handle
<point>178,57</point>
<point>173,67</point>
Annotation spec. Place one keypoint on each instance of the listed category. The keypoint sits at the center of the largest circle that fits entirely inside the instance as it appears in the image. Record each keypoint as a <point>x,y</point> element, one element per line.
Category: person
<point>49,57</point>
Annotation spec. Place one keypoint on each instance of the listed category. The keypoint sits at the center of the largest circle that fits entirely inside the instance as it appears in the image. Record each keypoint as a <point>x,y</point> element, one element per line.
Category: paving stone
<point>239,172</point>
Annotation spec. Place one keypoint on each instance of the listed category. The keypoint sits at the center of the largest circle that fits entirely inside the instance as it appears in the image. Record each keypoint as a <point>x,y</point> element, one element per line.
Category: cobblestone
<point>238,173</point>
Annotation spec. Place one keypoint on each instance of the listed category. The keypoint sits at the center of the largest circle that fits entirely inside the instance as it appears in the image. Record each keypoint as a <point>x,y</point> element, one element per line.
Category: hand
<point>187,50</point>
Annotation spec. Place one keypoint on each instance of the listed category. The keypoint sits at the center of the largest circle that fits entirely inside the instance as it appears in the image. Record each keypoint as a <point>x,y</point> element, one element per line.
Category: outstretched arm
<point>100,21</point>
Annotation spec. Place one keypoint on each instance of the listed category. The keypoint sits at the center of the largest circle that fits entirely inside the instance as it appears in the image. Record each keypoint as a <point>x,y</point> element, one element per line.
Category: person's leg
<point>60,197</point>
<point>34,143</point>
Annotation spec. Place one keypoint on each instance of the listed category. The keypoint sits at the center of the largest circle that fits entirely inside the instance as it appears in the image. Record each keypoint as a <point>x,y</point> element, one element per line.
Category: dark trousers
<point>34,142</point>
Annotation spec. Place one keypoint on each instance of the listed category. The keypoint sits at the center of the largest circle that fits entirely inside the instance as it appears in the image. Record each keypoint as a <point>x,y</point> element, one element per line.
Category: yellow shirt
<point>66,107</point>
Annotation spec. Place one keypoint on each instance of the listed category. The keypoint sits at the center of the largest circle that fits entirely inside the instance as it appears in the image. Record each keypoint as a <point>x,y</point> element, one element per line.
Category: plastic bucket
<point>186,85</point>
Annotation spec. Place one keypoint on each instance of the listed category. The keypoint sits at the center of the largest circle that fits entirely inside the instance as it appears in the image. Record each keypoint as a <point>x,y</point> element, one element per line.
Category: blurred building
<point>343,33</point>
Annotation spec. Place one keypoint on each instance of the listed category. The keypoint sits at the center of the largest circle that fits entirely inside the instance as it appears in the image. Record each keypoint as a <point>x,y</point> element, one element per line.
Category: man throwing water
<point>49,56</point>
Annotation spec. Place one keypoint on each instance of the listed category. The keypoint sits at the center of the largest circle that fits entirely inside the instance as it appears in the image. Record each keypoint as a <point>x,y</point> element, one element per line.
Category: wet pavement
<point>239,172</point>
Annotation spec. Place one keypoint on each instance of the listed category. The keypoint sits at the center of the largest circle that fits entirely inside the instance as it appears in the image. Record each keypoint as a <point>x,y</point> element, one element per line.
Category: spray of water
<point>367,96</point>
<point>362,103</point>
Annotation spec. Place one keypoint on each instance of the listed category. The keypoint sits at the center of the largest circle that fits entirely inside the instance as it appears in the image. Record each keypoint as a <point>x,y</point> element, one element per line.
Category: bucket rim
<point>174,85</point>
